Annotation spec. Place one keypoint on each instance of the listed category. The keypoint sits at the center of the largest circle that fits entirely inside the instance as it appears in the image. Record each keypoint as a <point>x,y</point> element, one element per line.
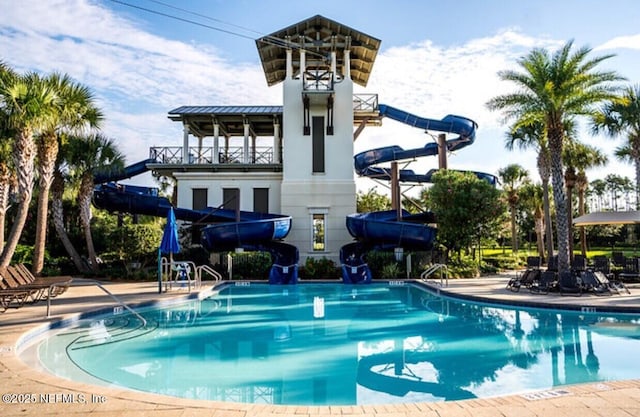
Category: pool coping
<point>597,399</point>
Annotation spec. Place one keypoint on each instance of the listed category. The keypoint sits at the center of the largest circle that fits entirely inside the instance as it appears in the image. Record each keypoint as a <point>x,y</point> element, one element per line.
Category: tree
<point>464,206</point>
<point>534,136</point>
<point>86,156</point>
<point>598,189</point>
<point>513,177</point>
<point>580,157</point>
<point>372,201</point>
<point>28,103</point>
<point>622,117</point>
<point>76,110</point>
<point>7,178</point>
<point>552,89</point>
<point>532,201</point>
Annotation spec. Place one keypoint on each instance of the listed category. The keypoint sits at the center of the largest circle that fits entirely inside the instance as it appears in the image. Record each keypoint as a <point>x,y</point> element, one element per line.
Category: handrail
<point>208,270</point>
<point>109,293</point>
<point>432,269</point>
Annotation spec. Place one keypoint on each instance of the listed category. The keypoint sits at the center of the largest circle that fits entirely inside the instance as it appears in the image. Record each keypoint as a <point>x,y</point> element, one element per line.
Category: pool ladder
<point>444,272</point>
<point>106,291</point>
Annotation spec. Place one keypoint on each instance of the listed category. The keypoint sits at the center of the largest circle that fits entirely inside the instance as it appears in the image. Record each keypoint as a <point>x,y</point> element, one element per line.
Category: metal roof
<point>231,119</point>
<point>318,36</point>
<point>238,110</point>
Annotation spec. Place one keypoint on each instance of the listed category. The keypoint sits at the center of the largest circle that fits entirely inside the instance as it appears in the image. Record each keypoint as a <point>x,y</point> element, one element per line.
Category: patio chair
<point>579,263</point>
<point>613,285</point>
<point>630,270</point>
<point>552,265</point>
<point>618,258</point>
<point>525,279</point>
<point>594,284</point>
<point>602,264</point>
<point>12,297</point>
<point>569,283</point>
<point>548,282</point>
<point>43,287</point>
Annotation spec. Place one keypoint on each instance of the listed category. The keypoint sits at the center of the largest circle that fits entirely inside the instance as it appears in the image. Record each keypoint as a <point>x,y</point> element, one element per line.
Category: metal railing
<point>205,155</point>
<point>444,273</point>
<point>200,269</point>
<point>365,102</point>
<point>106,291</point>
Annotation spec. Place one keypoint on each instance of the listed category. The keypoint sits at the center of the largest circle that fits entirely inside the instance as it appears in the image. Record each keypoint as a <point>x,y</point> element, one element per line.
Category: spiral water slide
<point>225,229</point>
<point>383,229</point>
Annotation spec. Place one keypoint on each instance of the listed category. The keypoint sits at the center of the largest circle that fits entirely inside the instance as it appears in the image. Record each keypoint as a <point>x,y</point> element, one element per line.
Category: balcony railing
<point>204,155</point>
<point>365,102</point>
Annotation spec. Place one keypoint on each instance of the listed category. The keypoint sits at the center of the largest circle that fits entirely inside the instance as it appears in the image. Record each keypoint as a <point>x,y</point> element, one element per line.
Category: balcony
<point>169,159</point>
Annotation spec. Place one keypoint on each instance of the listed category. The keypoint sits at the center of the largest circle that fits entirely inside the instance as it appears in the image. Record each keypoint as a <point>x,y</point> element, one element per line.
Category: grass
<point>523,253</point>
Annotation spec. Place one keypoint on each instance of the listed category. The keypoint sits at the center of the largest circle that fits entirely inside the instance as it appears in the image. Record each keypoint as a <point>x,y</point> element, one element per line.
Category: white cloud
<point>622,42</point>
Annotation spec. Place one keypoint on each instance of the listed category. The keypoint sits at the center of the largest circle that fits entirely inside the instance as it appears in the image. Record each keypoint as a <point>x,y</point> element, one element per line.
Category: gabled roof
<point>318,36</point>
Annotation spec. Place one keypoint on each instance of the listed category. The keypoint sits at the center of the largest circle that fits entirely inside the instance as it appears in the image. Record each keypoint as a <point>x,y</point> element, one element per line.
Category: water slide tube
<point>225,230</point>
<point>382,230</point>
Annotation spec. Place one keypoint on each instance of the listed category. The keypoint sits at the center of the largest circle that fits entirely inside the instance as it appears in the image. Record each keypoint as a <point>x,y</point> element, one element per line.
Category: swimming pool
<point>328,344</point>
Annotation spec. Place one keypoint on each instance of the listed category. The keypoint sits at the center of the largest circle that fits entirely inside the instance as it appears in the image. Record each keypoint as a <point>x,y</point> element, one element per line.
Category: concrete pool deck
<point>49,394</point>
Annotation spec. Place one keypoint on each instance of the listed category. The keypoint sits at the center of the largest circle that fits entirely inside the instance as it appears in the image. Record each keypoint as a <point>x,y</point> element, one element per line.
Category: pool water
<point>328,344</point>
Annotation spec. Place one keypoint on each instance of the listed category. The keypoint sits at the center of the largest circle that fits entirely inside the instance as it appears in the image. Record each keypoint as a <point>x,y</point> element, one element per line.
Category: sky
<point>436,58</point>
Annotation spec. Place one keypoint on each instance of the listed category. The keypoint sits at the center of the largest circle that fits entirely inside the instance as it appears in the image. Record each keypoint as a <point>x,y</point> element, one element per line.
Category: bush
<point>321,268</point>
<point>251,265</point>
<point>390,271</point>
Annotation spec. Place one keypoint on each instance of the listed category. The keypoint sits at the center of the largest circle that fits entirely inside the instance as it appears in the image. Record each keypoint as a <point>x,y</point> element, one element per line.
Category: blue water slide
<point>354,268</point>
<point>122,174</point>
<point>225,229</point>
<point>383,230</point>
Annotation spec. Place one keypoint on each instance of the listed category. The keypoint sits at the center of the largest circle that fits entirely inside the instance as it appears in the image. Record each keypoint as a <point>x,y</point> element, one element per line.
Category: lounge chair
<point>13,297</point>
<point>630,270</point>
<point>525,279</point>
<point>613,285</point>
<point>602,264</point>
<point>20,277</point>
<point>618,258</point>
<point>528,277</point>
<point>548,282</point>
<point>579,263</point>
<point>569,283</point>
<point>593,283</point>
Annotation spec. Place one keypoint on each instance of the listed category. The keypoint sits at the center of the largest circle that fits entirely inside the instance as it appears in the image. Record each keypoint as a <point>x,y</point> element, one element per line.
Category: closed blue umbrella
<point>169,243</point>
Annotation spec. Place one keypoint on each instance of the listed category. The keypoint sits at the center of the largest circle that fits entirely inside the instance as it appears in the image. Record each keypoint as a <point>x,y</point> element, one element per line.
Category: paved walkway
<point>28,392</point>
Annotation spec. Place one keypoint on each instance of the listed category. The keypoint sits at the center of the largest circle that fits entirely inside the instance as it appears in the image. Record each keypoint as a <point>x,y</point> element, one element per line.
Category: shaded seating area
<point>18,286</point>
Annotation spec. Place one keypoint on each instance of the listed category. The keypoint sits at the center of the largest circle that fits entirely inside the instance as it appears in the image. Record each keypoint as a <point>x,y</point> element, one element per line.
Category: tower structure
<point>318,61</point>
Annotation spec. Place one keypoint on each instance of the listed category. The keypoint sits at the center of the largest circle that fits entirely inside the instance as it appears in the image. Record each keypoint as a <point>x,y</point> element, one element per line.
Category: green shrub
<point>321,268</point>
<point>390,271</point>
<point>251,265</point>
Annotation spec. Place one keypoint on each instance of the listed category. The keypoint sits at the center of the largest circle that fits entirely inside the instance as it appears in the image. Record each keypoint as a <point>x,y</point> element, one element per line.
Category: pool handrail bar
<point>207,269</point>
<point>432,269</point>
<point>106,291</point>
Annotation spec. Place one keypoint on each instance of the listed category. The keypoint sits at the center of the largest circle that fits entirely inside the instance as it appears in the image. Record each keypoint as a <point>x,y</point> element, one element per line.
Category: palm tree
<point>28,103</point>
<point>7,179</point>
<point>533,136</point>
<point>580,157</point>
<point>512,177</point>
<point>531,198</point>
<point>87,155</point>
<point>623,117</point>
<point>553,89</point>
<point>598,188</point>
<point>76,110</point>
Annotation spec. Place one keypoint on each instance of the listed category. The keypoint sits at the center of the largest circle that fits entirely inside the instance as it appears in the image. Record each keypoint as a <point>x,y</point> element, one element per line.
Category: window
<point>318,232</point>
<point>261,200</point>
<point>318,144</point>
<point>231,198</point>
<point>199,198</point>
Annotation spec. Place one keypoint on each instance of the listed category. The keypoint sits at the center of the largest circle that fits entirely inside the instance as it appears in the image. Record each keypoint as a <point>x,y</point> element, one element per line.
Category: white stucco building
<point>295,159</point>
